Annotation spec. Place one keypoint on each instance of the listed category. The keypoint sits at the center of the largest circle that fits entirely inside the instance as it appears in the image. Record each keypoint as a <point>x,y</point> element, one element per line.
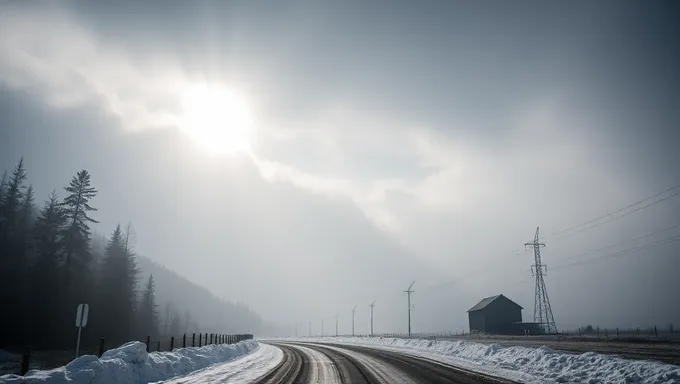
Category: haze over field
<point>304,157</point>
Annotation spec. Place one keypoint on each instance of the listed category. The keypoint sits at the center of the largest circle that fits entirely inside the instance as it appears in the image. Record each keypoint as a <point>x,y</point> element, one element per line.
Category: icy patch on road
<point>132,364</point>
<point>539,365</point>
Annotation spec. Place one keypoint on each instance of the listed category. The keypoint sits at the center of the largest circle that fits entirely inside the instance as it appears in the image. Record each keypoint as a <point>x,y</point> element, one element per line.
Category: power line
<point>623,242</point>
<point>621,253</point>
<point>597,219</point>
<point>620,216</point>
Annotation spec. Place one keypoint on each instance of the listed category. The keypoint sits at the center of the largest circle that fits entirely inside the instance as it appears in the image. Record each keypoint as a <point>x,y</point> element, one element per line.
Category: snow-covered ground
<point>240,371</point>
<point>538,365</point>
<point>132,364</point>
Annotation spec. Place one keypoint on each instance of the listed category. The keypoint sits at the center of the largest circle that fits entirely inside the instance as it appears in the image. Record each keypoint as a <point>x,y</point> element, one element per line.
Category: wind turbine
<point>372,305</point>
<point>408,292</point>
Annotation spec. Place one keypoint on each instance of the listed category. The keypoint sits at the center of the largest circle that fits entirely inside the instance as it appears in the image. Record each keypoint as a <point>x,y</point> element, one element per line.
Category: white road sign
<point>81,315</point>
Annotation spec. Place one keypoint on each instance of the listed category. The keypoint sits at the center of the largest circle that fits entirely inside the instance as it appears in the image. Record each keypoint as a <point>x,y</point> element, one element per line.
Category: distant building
<point>499,315</point>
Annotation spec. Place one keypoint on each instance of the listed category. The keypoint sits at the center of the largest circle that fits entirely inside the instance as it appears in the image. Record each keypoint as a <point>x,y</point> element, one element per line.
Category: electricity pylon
<point>408,292</point>
<point>542,311</point>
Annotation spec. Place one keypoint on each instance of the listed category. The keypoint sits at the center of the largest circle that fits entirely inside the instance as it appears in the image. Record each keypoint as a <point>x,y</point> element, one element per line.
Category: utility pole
<point>542,311</point>
<point>321,327</point>
<point>296,329</point>
<point>408,292</point>
<point>353,312</point>
<point>372,305</point>
<point>337,318</point>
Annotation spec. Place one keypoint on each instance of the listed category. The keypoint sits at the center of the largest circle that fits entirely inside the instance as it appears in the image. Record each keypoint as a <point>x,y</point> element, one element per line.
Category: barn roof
<point>488,300</point>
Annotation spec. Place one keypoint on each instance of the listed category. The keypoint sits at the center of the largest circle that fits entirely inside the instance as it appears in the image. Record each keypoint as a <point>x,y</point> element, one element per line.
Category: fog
<point>391,142</point>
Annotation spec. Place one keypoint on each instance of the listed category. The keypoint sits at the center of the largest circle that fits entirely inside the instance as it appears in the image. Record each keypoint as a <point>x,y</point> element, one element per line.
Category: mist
<point>389,142</point>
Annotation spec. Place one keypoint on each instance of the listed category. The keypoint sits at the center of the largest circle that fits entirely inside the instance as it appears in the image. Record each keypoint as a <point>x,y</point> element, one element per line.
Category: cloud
<point>396,171</point>
<point>48,54</point>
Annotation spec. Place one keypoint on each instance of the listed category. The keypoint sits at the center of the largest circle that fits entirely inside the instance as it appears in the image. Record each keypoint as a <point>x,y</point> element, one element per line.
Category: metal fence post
<point>101,347</point>
<point>184,341</point>
<point>25,360</point>
<point>172,343</point>
<point>158,346</point>
<point>148,343</point>
<point>200,339</point>
<point>193,339</point>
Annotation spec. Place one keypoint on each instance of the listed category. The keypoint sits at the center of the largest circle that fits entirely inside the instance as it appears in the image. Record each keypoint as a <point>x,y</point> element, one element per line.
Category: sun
<point>218,119</point>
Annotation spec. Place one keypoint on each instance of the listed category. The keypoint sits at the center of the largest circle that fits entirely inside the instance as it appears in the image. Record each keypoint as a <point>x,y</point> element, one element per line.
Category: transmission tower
<point>542,311</point>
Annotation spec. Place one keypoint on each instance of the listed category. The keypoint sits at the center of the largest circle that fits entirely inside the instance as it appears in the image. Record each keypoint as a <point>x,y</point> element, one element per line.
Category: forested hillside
<point>50,261</point>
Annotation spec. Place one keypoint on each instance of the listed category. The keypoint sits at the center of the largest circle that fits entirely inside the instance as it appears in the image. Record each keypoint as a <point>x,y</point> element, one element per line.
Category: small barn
<point>495,315</point>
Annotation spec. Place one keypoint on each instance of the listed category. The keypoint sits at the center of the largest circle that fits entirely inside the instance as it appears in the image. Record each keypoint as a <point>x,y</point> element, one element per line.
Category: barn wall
<point>500,315</point>
<point>477,321</point>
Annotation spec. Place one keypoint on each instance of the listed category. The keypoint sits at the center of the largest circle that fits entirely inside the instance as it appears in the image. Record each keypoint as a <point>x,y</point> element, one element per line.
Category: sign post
<point>81,322</point>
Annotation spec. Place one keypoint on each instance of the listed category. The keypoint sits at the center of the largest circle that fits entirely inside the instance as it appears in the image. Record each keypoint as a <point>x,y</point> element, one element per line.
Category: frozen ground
<point>526,364</point>
<point>667,352</point>
<point>132,364</point>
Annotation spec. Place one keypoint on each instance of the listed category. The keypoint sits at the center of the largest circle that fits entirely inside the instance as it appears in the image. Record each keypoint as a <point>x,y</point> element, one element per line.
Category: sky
<point>370,145</point>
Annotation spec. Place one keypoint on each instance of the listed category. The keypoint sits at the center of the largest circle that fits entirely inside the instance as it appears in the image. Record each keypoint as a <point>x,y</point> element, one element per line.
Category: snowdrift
<point>132,364</point>
<point>525,364</point>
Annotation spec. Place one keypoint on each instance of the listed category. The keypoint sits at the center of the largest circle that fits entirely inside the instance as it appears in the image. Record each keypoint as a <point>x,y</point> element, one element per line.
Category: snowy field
<point>132,364</point>
<point>525,364</point>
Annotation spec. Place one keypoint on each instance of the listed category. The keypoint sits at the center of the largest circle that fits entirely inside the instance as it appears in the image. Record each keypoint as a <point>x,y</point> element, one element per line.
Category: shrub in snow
<point>132,364</point>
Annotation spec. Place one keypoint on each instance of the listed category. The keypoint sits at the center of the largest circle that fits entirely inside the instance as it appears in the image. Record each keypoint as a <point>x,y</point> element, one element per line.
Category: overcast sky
<point>394,141</point>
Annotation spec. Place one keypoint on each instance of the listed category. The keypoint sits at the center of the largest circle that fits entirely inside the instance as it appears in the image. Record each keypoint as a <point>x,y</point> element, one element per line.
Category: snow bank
<point>525,364</point>
<point>132,364</point>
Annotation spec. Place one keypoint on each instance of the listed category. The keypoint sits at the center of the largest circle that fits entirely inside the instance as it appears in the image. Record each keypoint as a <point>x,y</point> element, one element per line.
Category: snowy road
<point>317,363</point>
<point>243,370</point>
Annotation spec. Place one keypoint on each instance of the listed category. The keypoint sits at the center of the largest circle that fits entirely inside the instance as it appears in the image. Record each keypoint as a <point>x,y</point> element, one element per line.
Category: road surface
<point>304,363</point>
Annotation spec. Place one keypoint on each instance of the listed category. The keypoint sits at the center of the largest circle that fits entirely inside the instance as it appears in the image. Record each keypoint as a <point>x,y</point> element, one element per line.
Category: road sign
<point>81,315</point>
<point>81,321</point>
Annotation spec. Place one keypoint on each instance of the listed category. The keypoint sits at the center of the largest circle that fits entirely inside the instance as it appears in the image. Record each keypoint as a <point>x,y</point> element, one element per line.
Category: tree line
<point>48,267</point>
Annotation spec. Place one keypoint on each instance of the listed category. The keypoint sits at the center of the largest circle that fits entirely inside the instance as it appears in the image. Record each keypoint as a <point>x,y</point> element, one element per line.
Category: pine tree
<point>3,186</point>
<point>12,196</point>
<point>116,299</point>
<point>108,304</point>
<point>12,254</point>
<point>175,323</point>
<point>77,273</point>
<point>77,233</point>
<point>148,310</point>
<point>45,285</point>
<point>129,237</point>
<point>25,225</point>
